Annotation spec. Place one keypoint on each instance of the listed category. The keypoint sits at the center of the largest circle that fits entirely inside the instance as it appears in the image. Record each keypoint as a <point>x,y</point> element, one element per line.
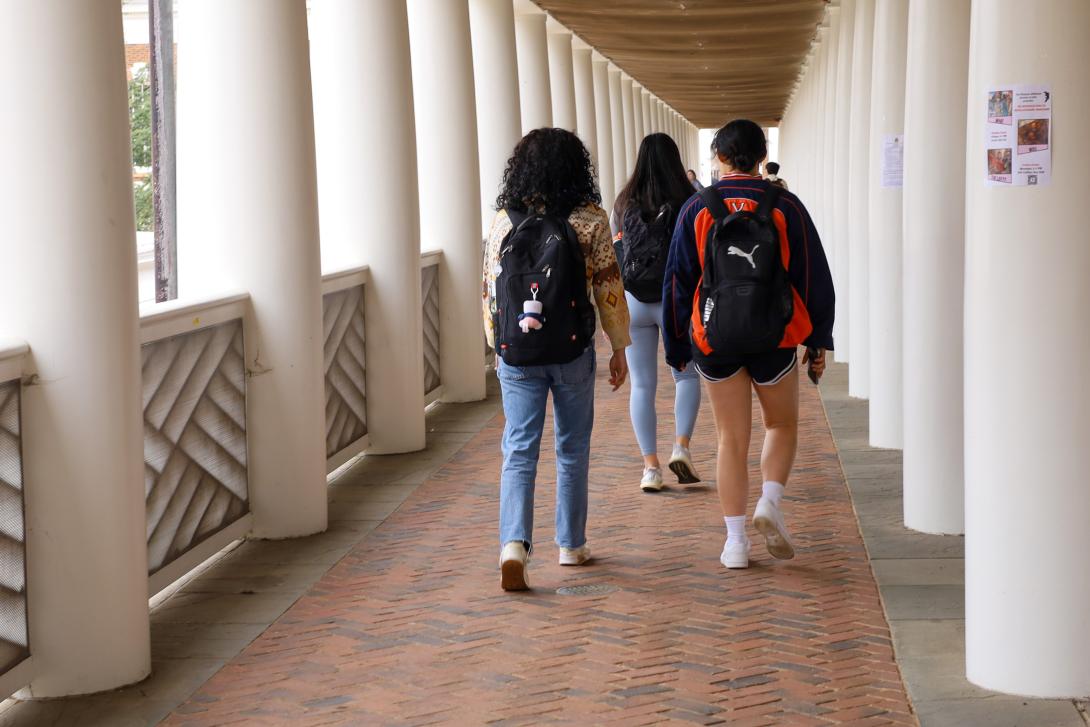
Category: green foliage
<point>140,116</point>
<point>144,209</point>
<point>140,126</point>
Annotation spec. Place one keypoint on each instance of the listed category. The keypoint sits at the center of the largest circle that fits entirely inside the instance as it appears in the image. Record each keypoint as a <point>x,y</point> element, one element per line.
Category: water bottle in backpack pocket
<point>746,300</point>
<point>543,314</point>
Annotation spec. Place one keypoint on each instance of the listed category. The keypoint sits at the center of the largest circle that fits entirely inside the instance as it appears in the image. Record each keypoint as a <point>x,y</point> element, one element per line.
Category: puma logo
<point>732,250</point>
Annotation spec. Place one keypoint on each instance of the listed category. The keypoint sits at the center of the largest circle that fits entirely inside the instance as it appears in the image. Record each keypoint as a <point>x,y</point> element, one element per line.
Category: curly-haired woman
<point>550,174</point>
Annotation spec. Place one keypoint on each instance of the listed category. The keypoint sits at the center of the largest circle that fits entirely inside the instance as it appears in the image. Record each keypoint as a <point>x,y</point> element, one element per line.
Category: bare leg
<point>732,407</point>
<point>780,411</point>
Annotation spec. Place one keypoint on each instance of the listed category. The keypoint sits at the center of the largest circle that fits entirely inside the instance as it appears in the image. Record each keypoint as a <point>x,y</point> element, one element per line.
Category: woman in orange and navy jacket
<point>730,376</point>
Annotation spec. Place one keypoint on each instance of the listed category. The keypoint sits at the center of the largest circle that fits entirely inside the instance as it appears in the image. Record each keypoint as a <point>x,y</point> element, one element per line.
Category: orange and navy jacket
<point>803,256</point>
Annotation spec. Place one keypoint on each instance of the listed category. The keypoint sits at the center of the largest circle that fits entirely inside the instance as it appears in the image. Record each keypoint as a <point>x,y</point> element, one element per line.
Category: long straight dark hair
<point>659,178</point>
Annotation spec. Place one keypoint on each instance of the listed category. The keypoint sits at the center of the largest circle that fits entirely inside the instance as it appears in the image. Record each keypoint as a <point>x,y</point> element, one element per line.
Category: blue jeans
<point>525,392</point>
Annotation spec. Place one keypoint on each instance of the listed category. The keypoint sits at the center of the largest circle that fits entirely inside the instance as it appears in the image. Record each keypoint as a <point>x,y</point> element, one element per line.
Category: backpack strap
<point>516,217</point>
<point>768,203</point>
<point>714,203</point>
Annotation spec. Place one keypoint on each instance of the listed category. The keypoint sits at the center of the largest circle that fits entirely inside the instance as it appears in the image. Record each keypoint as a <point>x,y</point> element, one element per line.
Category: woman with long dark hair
<point>643,222</point>
<point>540,321</point>
<point>777,236</point>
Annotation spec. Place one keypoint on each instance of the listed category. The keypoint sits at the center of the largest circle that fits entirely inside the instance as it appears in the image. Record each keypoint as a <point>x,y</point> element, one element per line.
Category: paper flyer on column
<point>1018,135</point>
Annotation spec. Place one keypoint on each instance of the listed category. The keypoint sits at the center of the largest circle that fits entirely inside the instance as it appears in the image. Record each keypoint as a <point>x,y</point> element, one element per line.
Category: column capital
<point>555,27</point>
<point>525,7</point>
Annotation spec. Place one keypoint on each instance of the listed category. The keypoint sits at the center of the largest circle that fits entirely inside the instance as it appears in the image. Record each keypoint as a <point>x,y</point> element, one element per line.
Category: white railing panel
<point>14,646</point>
<point>194,397</point>
<point>344,337</point>
<point>429,280</point>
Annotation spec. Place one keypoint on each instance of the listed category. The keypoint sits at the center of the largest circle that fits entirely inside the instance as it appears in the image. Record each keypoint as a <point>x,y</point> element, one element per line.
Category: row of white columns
<point>349,115</point>
<point>961,307</point>
<point>565,83</point>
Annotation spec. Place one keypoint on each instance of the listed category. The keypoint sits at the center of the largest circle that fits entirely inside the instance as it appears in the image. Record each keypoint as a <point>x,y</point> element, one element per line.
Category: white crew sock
<point>736,528</point>
<point>773,492</point>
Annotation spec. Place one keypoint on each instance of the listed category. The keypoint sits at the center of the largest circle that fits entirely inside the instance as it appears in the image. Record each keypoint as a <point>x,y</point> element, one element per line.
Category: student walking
<point>746,283</point>
<point>643,223</point>
<point>772,174</point>
<point>548,255</point>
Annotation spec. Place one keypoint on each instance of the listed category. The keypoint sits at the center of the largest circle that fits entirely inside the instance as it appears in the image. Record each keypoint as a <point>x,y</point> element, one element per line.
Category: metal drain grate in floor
<point>590,589</point>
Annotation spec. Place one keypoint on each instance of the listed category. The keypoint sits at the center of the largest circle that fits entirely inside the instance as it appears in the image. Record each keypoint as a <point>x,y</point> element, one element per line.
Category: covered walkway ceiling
<point>709,59</point>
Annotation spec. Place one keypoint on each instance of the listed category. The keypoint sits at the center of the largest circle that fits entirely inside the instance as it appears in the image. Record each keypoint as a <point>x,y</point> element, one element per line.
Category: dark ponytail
<point>741,143</point>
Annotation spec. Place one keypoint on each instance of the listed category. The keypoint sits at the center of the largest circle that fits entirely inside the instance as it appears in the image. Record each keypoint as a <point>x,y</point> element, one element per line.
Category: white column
<point>817,132</point>
<point>365,47</point>
<point>603,119</point>
<point>618,126</point>
<point>496,83</point>
<point>859,201</point>
<point>645,103</point>
<point>561,76</point>
<point>535,93</point>
<point>841,163</point>
<point>887,119</point>
<point>442,73</point>
<point>630,145</point>
<point>259,237</point>
<point>656,111</point>
<point>69,290</point>
<point>934,243</point>
<point>638,130</point>
<point>829,232</point>
<point>1026,429</point>
<point>585,118</point>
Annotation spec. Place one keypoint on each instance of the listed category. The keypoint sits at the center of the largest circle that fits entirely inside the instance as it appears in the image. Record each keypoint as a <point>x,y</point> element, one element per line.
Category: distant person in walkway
<point>747,282</point>
<point>772,174</point>
<point>643,222</point>
<point>547,257</point>
<point>694,180</point>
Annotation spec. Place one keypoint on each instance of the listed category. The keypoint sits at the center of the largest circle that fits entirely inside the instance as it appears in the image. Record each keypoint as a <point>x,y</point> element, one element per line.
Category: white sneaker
<point>735,555</point>
<point>681,464</point>
<point>514,561</point>
<point>652,479</point>
<point>575,556</point>
<point>768,520</point>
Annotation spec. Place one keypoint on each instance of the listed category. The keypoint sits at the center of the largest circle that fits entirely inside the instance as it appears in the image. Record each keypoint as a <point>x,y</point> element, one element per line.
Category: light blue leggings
<point>643,365</point>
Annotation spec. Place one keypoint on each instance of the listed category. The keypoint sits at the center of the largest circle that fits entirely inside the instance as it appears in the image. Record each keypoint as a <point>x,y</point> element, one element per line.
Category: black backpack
<point>644,247</point>
<point>541,259</point>
<point>746,299</point>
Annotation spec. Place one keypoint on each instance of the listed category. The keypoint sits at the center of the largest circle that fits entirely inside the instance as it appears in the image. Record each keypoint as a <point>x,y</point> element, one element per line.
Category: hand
<point>816,361</point>
<point>618,369</point>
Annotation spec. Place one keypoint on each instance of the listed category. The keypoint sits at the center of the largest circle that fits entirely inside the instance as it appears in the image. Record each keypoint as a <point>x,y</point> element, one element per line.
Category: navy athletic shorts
<point>765,369</point>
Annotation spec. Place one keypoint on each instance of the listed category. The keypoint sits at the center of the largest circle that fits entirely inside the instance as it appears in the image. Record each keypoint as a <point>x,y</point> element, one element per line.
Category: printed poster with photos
<point>1019,136</point>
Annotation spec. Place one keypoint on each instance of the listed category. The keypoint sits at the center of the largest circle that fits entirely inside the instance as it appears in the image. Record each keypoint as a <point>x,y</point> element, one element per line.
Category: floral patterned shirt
<point>604,284</point>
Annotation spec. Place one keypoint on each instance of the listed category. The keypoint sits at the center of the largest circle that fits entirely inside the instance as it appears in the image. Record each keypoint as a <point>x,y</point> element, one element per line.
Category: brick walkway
<point>411,627</point>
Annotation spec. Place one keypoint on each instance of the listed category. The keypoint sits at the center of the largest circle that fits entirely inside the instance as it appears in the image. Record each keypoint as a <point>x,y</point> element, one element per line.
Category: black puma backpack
<point>746,300</point>
<point>644,247</point>
<point>541,260</point>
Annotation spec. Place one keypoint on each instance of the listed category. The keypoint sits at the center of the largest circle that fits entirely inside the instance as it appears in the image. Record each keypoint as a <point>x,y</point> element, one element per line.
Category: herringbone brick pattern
<point>411,627</point>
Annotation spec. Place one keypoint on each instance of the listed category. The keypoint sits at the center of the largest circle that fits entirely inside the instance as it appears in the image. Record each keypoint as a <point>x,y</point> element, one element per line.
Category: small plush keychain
<point>531,318</point>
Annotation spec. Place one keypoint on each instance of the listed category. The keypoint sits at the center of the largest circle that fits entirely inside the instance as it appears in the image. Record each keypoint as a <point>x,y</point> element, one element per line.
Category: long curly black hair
<point>550,171</point>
